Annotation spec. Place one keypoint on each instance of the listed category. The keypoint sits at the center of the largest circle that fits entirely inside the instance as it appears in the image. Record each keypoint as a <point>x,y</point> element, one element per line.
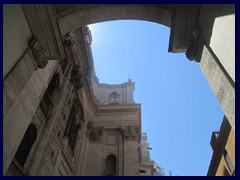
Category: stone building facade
<point>223,146</point>
<point>147,165</point>
<point>80,122</point>
<point>58,119</point>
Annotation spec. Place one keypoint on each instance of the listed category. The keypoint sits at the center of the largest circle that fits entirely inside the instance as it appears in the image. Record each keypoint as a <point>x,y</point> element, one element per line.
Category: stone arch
<point>111,165</point>
<point>71,17</point>
<point>26,144</point>
<point>188,31</point>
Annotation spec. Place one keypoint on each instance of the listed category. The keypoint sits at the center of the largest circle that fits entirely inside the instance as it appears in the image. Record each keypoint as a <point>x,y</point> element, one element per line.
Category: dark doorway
<point>110,165</point>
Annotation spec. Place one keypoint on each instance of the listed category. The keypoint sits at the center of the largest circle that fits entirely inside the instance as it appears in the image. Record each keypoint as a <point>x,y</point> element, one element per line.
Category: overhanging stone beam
<point>184,20</point>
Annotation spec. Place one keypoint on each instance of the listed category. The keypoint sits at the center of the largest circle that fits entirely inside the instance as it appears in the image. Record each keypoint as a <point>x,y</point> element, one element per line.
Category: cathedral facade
<point>80,127</point>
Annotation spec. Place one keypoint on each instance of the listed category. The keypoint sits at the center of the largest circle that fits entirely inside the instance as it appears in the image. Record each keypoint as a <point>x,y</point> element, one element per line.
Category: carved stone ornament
<point>38,53</point>
<point>88,34</point>
<point>68,40</point>
<point>76,77</point>
<point>193,45</point>
<point>94,133</point>
<point>129,133</point>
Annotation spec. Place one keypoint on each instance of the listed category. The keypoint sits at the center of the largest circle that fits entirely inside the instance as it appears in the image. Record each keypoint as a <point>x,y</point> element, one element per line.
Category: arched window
<point>114,98</point>
<point>26,144</point>
<point>54,84</point>
<point>73,124</point>
<point>110,165</point>
<point>47,100</point>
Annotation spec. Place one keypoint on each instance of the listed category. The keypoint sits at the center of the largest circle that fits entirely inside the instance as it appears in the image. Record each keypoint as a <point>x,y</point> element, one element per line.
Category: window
<point>26,144</point>
<point>72,133</point>
<point>47,100</point>
<point>72,127</point>
<point>144,171</point>
<point>228,161</point>
<point>73,124</point>
<point>63,63</point>
<point>110,165</point>
<point>54,84</point>
<point>114,98</point>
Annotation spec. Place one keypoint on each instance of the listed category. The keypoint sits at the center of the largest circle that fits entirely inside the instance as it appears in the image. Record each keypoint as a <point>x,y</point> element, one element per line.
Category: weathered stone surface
<point>221,87</point>
<point>73,17</point>
<point>115,115</point>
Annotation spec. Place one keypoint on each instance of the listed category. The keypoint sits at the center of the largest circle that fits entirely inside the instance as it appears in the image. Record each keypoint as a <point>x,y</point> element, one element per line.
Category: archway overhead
<point>74,16</point>
<point>182,19</point>
<point>37,32</point>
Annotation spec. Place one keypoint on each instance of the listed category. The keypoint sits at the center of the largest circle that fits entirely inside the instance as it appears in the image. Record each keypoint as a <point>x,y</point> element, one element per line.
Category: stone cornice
<point>193,45</point>
<point>119,108</point>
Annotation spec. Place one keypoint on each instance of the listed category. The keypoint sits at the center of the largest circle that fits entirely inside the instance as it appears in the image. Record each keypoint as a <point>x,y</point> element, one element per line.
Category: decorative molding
<point>193,45</point>
<point>130,133</point>
<point>88,35</point>
<point>94,133</point>
<point>38,53</point>
<point>68,40</point>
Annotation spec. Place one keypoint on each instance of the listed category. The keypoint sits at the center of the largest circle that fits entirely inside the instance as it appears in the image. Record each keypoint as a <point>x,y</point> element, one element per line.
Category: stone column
<point>130,148</point>
<point>218,78</point>
<point>120,154</point>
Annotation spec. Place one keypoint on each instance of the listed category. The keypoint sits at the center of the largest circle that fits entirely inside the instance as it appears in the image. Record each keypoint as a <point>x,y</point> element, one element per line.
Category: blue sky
<point>179,109</point>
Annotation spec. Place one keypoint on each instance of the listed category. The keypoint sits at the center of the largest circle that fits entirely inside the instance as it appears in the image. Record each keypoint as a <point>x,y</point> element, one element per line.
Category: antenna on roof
<point>129,78</point>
